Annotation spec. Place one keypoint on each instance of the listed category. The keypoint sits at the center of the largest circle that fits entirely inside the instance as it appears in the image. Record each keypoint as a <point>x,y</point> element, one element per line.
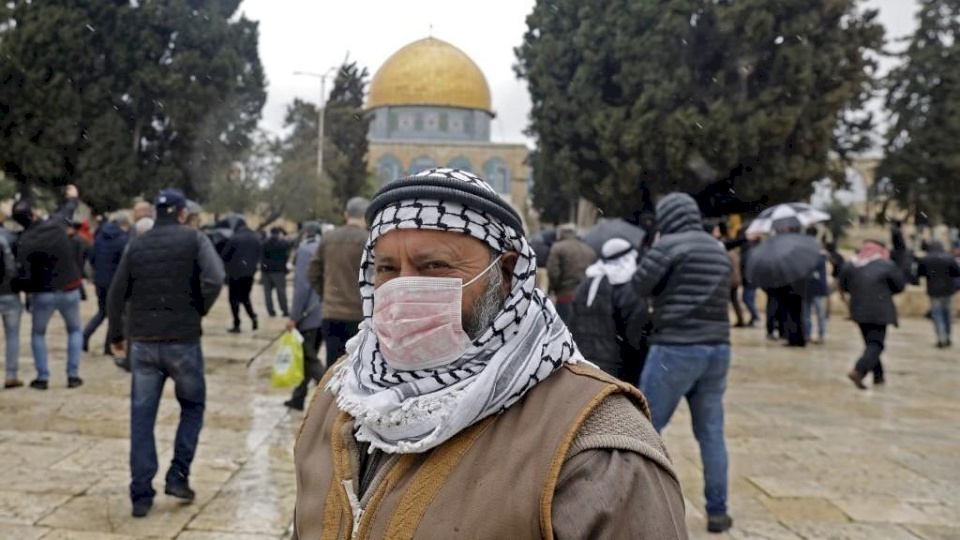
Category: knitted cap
<point>447,185</point>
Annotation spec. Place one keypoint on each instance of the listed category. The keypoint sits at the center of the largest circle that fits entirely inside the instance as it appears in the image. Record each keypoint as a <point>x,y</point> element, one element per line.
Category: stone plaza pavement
<point>811,457</point>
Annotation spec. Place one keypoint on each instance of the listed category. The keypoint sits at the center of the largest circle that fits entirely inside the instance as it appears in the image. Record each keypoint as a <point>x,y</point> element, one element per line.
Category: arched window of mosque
<point>422,163</point>
<point>497,174</point>
<point>388,168</point>
<point>462,163</point>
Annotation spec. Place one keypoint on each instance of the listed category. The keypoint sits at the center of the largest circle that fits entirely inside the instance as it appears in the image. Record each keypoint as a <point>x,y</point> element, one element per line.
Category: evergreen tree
<point>345,149</point>
<point>922,158</point>
<point>122,98</point>
<point>640,93</point>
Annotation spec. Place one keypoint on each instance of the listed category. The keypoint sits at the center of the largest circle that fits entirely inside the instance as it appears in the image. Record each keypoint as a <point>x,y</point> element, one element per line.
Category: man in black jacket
<point>241,257</point>
<point>687,273</point>
<point>941,269</point>
<point>273,271</point>
<point>50,275</point>
<point>167,280</point>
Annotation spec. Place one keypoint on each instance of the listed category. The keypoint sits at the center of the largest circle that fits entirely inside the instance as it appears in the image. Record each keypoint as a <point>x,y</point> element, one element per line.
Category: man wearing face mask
<point>464,386</point>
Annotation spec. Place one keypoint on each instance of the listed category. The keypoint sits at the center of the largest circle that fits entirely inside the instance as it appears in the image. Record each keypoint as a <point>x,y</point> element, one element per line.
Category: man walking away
<point>687,273</point>
<point>609,321</point>
<point>749,294</point>
<point>273,271</point>
<point>108,247</point>
<point>241,257</point>
<point>333,274</point>
<point>306,314</point>
<point>168,280</point>
<point>51,277</point>
<point>567,266</point>
<point>815,301</point>
<point>10,308</point>
<point>941,270</point>
<point>872,279</point>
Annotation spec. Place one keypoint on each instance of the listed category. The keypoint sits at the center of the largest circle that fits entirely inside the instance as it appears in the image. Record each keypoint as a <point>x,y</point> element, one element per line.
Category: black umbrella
<point>613,228</point>
<point>783,260</point>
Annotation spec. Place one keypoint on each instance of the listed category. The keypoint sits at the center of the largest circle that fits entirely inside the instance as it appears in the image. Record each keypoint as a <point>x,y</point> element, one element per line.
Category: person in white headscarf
<point>610,322</point>
<point>463,408</point>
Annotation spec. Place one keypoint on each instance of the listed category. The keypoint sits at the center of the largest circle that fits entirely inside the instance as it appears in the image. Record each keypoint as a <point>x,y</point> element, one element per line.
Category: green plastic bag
<point>288,363</point>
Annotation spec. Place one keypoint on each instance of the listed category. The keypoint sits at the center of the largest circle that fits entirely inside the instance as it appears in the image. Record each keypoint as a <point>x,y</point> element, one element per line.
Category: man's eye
<point>385,269</point>
<point>436,265</point>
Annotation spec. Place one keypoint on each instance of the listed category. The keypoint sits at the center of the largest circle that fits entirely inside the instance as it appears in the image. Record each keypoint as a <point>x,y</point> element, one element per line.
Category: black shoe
<point>39,385</point>
<point>142,508</point>
<point>719,524</point>
<point>74,382</point>
<point>86,346</point>
<point>255,326</point>
<point>294,404</point>
<point>180,491</point>
<point>234,330</point>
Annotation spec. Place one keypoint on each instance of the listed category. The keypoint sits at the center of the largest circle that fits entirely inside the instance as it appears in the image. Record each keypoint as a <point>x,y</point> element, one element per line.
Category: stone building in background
<point>431,107</point>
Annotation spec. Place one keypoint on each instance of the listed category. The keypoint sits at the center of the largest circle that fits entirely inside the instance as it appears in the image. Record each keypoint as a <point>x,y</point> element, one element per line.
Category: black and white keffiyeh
<point>414,411</point>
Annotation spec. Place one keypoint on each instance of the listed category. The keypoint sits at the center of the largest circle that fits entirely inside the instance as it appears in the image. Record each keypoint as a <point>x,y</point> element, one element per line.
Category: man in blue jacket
<point>108,246</point>
<point>305,314</point>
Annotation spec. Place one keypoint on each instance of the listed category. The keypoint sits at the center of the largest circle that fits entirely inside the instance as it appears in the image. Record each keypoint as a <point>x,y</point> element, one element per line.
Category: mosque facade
<point>430,106</point>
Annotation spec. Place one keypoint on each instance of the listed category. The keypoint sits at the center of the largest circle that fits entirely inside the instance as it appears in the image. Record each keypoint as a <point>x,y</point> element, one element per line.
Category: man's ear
<point>508,264</point>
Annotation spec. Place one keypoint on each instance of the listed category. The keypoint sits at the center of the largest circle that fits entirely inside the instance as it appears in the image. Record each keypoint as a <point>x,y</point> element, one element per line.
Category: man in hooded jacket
<point>687,273</point>
<point>108,247</point>
<point>941,270</point>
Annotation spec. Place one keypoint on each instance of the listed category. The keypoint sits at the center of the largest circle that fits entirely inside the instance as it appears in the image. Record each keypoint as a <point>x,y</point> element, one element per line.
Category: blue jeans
<point>749,296</point>
<point>818,304</point>
<point>151,364</point>
<point>699,373</point>
<point>43,307</point>
<point>940,307</point>
<point>98,318</point>
<point>10,309</point>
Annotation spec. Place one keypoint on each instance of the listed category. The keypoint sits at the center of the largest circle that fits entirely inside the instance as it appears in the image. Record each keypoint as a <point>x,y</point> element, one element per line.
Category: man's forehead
<point>427,241</point>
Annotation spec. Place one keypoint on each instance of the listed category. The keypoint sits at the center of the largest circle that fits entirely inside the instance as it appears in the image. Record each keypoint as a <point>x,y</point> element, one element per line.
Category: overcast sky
<point>311,35</point>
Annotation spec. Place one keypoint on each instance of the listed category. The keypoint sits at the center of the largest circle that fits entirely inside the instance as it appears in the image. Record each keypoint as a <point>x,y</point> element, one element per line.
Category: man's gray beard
<point>487,306</point>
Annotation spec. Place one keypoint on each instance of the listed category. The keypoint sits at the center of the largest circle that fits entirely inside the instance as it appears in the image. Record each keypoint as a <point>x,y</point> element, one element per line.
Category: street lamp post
<point>320,119</point>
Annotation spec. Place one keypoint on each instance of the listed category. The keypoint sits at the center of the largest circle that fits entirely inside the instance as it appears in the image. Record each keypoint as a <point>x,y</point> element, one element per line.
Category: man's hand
<point>291,324</point>
<point>72,192</point>
<point>119,348</point>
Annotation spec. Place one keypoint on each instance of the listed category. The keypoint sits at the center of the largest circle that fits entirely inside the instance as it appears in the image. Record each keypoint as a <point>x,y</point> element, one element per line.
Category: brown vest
<point>495,479</point>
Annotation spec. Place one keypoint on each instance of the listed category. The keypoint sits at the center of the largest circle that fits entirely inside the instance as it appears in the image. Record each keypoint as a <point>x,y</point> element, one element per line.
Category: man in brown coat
<point>333,274</point>
<point>567,266</point>
<point>463,408</point>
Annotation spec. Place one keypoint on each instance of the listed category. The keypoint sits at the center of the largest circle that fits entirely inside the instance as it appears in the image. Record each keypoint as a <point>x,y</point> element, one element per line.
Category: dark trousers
<point>240,295</point>
<point>275,281</point>
<point>313,370</point>
<point>735,300</point>
<point>97,320</point>
<point>790,306</point>
<point>151,364</point>
<point>774,315</point>
<point>336,334</point>
<point>874,339</point>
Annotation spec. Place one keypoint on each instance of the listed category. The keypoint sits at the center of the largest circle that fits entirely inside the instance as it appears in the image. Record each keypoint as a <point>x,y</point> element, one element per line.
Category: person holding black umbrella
<point>872,279</point>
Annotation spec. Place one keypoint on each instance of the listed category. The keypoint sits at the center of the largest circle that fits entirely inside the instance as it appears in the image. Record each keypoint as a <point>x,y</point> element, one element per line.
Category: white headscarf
<point>617,263</point>
<point>414,411</point>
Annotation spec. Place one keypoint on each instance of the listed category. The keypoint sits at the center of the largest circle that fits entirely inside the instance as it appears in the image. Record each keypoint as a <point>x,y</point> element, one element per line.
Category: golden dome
<point>430,72</point>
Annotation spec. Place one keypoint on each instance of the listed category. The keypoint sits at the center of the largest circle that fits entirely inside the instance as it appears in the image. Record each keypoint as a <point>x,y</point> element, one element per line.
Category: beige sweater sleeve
<point>618,481</point>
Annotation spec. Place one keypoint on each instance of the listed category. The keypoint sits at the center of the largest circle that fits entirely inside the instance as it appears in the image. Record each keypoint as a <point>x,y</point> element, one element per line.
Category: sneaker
<point>293,404</point>
<point>37,384</point>
<point>12,383</point>
<point>234,330</point>
<point>180,491</point>
<point>74,382</point>
<point>142,507</point>
<point>719,524</point>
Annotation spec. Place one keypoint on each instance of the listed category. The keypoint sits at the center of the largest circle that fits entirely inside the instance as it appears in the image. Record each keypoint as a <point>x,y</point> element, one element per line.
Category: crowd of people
<point>441,352</point>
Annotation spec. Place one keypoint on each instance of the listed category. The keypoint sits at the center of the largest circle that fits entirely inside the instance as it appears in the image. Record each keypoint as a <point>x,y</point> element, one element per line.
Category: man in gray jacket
<point>305,314</point>
<point>687,273</point>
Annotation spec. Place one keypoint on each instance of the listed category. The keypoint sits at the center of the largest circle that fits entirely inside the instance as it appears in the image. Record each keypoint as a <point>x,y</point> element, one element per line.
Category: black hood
<point>111,231</point>
<point>678,212</point>
<point>935,247</point>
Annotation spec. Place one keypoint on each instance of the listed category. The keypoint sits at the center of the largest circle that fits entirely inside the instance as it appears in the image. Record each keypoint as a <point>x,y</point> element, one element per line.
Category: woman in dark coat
<point>872,279</point>
<point>610,322</point>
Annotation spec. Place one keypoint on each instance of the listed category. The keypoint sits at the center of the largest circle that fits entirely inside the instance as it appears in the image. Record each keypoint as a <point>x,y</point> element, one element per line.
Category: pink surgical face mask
<point>418,321</point>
